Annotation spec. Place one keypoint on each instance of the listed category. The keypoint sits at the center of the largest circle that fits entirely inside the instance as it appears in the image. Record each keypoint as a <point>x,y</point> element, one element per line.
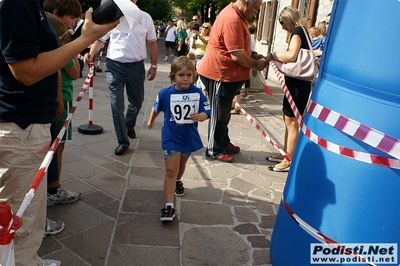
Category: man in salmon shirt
<point>224,69</point>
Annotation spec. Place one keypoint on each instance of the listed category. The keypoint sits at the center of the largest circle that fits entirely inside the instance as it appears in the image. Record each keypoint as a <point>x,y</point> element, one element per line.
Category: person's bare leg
<point>182,167</point>
<point>280,156</point>
<point>292,128</point>
<point>246,92</point>
<point>238,99</point>
<point>166,52</point>
<point>59,151</point>
<point>172,167</point>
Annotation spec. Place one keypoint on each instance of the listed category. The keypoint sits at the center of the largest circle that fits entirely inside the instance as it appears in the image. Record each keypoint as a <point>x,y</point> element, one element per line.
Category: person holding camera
<point>200,40</point>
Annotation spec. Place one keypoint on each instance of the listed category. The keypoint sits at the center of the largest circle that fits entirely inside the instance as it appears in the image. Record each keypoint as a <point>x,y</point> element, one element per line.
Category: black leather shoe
<point>131,133</point>
<point>121,149</point>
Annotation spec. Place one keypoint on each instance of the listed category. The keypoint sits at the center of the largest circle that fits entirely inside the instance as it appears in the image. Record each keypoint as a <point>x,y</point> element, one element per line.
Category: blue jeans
<point>132,76</point>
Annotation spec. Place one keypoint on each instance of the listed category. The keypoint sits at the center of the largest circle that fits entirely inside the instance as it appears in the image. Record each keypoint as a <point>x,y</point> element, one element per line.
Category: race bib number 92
<point>182,105</point>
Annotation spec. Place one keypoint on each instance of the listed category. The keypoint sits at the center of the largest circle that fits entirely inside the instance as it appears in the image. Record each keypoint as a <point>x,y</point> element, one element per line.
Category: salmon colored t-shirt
<point>229,33</point>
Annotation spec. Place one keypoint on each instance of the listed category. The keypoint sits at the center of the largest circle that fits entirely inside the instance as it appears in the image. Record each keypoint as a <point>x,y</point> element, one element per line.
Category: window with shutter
<point>308,9</point>
<point>266,21</point>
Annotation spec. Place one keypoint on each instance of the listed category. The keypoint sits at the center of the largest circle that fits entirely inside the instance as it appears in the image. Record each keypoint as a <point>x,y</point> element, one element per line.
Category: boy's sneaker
<point>63,196</point>
<point>179,189</point>
<point>166,58</point>
<point>232,149</point>
<point>167,214</point>
<point>47,262</point>
<point>53,227</point>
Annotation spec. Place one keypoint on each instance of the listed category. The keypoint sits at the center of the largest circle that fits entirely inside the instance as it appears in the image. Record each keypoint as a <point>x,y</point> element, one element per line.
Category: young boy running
<point>183,105</point>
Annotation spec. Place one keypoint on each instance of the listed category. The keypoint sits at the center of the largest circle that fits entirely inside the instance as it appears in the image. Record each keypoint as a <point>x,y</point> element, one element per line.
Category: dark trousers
<point>132,76</point>
<point>221,95</point>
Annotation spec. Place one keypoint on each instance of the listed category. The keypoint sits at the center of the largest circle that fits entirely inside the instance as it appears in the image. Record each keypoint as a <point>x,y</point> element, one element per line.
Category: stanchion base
<point>90,129</point>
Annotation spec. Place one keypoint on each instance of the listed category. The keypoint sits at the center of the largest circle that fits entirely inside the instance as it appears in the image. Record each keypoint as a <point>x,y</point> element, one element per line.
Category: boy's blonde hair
<point>314,32</point>
<point>191,56</point>
<point>178,64</point>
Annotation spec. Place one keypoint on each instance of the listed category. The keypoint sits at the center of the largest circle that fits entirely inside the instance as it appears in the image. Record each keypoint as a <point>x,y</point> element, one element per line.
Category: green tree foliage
<point>202,7</point>
<point>158,9</point>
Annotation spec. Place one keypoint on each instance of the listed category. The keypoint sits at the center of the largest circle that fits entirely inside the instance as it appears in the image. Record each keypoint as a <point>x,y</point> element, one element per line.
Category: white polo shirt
<point>131,47</point>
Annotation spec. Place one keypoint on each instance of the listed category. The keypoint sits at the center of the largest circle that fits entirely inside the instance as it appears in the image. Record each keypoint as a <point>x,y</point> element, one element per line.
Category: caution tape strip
<point>318,235</point>
<point>350,153</point>
<point>266,88</point>
<point>366,134</point>
<point>257,126</point>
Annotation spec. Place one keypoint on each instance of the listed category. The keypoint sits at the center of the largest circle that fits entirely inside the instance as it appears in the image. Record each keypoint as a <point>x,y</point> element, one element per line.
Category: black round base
<point>90,129</point>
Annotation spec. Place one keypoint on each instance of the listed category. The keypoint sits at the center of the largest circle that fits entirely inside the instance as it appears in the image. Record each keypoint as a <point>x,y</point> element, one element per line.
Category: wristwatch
<point>154,66</point>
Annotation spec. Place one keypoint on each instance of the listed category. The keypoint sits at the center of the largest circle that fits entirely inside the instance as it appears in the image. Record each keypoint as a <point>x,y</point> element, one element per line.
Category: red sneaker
<point>226,158</point>
<point>232,149</point>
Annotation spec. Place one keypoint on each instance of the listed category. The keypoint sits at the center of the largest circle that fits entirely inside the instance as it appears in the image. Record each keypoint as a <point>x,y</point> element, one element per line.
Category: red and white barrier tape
<point>264,83</point>
<point>49,156</point>
<point>349,153</point>
<point>257,126</point>
<point>318,235</point>
<point>368,135</point>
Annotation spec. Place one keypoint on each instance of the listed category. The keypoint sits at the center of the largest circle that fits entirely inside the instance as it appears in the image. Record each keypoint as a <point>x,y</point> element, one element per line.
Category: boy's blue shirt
<point>183,137</point>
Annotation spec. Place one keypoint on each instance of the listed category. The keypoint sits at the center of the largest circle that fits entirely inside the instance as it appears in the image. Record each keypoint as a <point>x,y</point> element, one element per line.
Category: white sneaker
<point>51,262</point>
<point>63,196</point>
<point>166,58</point>
<point>53,227</point>
<point>172,55</point>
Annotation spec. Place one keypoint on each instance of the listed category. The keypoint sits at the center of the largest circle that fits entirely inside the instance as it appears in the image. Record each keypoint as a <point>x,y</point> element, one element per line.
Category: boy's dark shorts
<point>170,44</point>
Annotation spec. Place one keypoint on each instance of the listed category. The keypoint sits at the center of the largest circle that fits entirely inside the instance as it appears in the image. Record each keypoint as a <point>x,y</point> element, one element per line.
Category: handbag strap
<point>308,40</point>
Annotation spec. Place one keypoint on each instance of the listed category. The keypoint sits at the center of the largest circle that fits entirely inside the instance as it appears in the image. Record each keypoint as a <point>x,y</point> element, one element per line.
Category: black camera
<point>106,12</point>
